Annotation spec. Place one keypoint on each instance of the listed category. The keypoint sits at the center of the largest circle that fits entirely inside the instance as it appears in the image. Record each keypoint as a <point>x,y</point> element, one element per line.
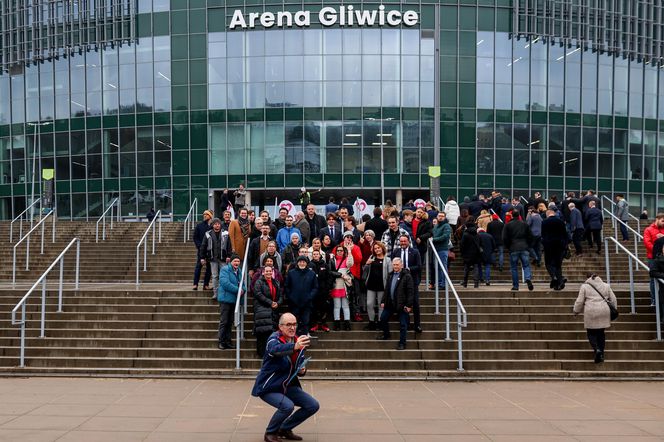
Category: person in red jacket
<point>356,271</point>
<point>650,235</point>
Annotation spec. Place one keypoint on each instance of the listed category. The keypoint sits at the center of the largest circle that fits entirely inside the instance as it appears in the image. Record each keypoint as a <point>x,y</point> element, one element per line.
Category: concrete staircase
<point>164,330</point>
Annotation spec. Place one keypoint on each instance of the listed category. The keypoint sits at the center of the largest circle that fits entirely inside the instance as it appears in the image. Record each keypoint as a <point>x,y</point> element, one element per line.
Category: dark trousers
<point>416,305</point>
<point>474,267</point>
<point>284,418</point>
<point>404,320</point>
<point>261,343</point>
<point>197,273</point>
<point>577,235</point>
<point>596,338</point>
<point>553,259</point>
<point>226,322</point>
<point>595,237</point>
<point>624,231</point>
<point>536,249</point>
<point>321,308</point>
<point>302,314</point>
<point>354,298</point>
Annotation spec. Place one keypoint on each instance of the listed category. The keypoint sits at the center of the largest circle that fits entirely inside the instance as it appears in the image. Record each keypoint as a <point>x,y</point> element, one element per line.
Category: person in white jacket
<point>452,212</point>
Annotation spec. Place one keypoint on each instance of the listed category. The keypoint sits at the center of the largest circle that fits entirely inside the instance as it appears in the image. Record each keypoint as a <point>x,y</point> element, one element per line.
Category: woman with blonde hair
<point>374,273</point>
<point>483,220</point>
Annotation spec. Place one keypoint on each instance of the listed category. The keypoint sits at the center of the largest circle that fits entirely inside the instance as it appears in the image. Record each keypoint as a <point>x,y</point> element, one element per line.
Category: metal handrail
<point>462,316</point>
<point>42,280</point>
<point>27,244</point>
<point>19,218</point>
<point>145,243</point>
<point>638,263</point>
<point>239,317</point>
<point>102,219</point>
<point>615,233</point>
<point>442,204</point>
<point>638,221</point>
<point>190,219</point>
<point>524,199</point>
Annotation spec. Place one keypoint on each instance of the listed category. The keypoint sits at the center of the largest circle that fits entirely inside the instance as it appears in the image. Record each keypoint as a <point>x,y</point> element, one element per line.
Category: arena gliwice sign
<point>328,16</point>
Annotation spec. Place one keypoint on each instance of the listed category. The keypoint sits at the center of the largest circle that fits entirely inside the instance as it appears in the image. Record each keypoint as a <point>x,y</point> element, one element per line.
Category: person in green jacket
<point>442,231</point>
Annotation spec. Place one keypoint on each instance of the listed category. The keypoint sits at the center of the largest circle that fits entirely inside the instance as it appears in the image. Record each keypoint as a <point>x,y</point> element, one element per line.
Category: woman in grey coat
<point>592,302</point>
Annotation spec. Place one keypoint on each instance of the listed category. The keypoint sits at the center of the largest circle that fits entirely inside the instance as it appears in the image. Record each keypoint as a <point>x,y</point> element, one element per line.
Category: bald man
<point>284,354</point>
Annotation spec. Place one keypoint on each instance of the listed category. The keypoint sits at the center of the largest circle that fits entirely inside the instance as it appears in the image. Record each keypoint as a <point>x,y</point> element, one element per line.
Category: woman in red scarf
<point>268,296</point>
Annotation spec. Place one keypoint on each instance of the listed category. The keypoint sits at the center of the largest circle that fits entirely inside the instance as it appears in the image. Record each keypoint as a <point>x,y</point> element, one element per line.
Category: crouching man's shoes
<point>289,435</point>
<point>271,437</point>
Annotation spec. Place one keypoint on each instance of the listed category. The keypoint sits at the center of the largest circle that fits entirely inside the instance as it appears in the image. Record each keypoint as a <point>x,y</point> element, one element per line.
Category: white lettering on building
<point>328,16</point>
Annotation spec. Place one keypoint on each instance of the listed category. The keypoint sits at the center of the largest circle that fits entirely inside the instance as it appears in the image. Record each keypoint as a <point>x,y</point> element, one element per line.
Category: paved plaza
<point>90,409</point>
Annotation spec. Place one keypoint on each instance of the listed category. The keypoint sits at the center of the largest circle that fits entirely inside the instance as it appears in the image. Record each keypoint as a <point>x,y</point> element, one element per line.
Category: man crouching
<point>277,385</point>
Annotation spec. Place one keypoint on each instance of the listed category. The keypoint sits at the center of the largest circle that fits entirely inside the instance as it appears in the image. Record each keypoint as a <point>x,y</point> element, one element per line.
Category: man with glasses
<point>283,355</point>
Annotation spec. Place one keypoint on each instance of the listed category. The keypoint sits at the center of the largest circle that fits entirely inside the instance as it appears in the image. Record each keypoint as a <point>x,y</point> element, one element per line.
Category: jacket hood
<point>452,203</point>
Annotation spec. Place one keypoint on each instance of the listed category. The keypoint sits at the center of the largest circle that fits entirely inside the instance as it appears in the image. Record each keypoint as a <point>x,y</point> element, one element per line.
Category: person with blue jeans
<point>399,297</point>
<point>442,232</point>
<point>276,385</point>
<point>518,238</point>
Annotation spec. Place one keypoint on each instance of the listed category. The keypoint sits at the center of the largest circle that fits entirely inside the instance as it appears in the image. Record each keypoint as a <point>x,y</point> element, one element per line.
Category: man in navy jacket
<point>301,286</point>
<point>199,234</point>
<point>412,261</point>
<point>277,385</point>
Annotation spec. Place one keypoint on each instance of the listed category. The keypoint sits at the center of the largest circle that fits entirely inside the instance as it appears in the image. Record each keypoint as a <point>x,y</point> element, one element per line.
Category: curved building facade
<point>158,102</point>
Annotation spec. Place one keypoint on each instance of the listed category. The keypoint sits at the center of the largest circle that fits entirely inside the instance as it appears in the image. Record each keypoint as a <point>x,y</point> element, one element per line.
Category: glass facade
<point>183,106</point>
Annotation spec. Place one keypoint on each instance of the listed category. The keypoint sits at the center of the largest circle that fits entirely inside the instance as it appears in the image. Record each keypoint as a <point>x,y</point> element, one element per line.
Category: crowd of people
<point>333,269</point>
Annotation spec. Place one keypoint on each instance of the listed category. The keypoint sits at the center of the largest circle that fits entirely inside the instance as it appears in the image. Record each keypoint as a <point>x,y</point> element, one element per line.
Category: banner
<point>420,203</point>
<point>360,207</point>
<point>292,210</point>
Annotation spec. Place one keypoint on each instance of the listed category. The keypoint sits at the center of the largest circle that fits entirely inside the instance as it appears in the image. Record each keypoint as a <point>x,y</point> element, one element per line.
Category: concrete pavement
<point>66,409</point>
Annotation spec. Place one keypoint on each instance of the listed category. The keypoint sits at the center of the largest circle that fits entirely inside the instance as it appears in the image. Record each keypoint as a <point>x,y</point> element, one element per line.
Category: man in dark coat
<point>488,244</point>
<point>594,221</point>
<point>517,238</point>
<point>257,247</point>
<point>377,223</point>
<point>199,234</point>
<point>477,205</point>
<point>301,286</point>
<point>268,296</point>
<point>495,229</point>
<point>471,253</point>
<point>412,261</point>
<point>316,222</point>
<point>398,298</point>
<point>554,241</point>
<point>333,229</point>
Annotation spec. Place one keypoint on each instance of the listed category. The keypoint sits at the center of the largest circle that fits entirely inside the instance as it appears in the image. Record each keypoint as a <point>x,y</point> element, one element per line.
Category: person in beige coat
<point>596,313</point>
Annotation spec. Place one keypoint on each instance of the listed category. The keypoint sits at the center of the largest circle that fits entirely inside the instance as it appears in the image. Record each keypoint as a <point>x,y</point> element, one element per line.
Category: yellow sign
<point>47,174</point>
<point>434,171</point>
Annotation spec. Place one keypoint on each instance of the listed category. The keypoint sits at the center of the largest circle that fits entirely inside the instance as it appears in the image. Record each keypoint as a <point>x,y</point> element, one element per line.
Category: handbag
<point>451,256</point>
<point>612,309</point>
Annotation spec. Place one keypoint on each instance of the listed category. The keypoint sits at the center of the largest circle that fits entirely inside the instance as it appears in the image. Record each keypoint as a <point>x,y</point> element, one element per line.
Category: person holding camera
<point>398,298</point>
<point>276,385</point>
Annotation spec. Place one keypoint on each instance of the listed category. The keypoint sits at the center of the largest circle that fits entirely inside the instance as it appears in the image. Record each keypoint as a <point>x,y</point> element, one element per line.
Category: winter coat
<point>199,234</point>
<point>650,236</point>
<point>301,286</point>
<point>305,233</point>
<point>280,361</point>
<point>596,313</point>
<point>289,255</point>
<point>378,225</point>
<point>338,272</point>
<point>387,269</point>
<point>534,221</point>
<point>414,262</point>
<point>240,197</point>
<point>452,212</point>
<point>594,218</point>
<point>278,262</point>
<point>316,224</point>
<point>424,232</point>
<point>229,284</point>
<point>387,239</point>
<point>495,229</point>
<point>284,236</point>
<point>215,247</point>
<point>265,317</point>
<point>476,206</point>
<point>255,253</point>
<point>322,272</point>
<point>517,236</point>
<point>575,219</point>
<point>356,267</point>
<point>470,246</point>
<point>404,292</point>
<point>442,232</point>
<point>488,247</point>
<point>622,210</point>
<point>239,234</point>
<point>554,234</point>
<point>276,275</point>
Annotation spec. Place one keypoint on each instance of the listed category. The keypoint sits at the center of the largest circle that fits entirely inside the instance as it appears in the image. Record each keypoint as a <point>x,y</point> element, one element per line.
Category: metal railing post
<point>78,262</point>
<point>145,257</point>
<point>658,317</point>
<point>460,340</point>
<point>606,261</point>
<point>41,252</point>
<point>138,261</point>
<point>62,274</point>
<point>447,311</point>
<point>27,253</point>
<point>615,232</point>
<point>427,267</point>
<point>160,227</point>
<point>14,268</point>
<point>43,310</point>
<point>22,357</point>
<point>436,292</point>
<point>636,251</point>
<point>237,342</point>
<point>631,286</point>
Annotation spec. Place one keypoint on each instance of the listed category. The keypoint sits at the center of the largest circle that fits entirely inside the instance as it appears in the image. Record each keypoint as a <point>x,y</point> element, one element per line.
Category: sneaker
<point>357,317</point>
<point>401,346</point>
<point>514,289</point>
<point>382,337</point>
<point>325,328</point>
<point>487,283</point>
<point>314,328</point>
<point>562,284</point>
<point>530,284</point>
